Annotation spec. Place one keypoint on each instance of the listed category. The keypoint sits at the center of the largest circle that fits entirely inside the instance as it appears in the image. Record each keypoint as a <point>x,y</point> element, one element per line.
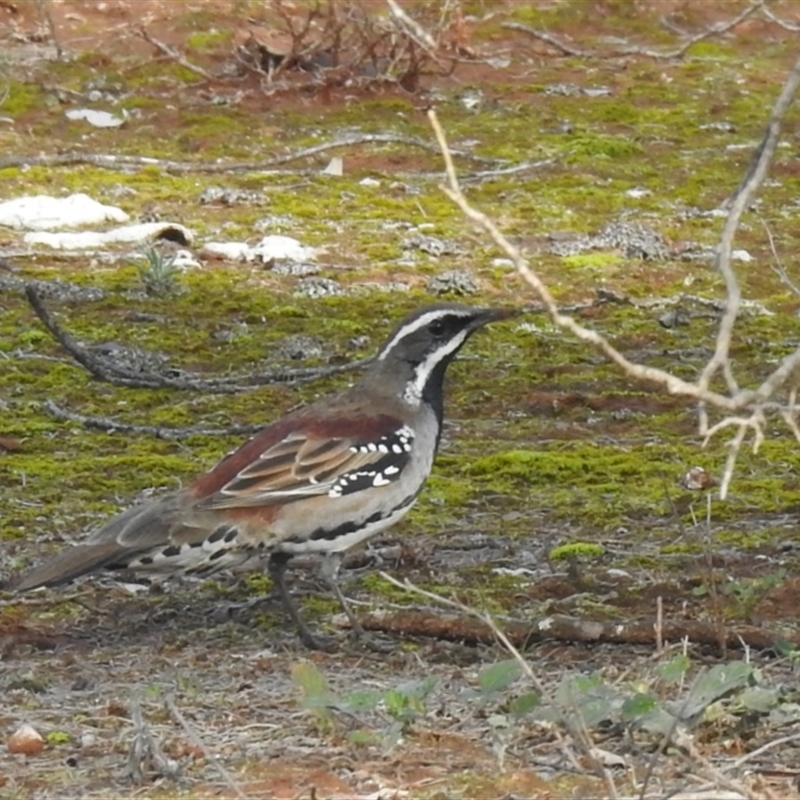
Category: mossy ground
<point>567,467</point>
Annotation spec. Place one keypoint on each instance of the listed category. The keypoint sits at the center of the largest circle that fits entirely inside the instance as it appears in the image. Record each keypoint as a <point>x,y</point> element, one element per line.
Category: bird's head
<point>418,350</point>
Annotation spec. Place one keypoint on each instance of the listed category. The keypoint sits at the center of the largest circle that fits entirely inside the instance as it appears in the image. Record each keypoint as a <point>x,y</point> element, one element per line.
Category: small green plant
<point>494,684</point>
<point>397,708</point>
<point>316,697</point>
<point>159,273</point>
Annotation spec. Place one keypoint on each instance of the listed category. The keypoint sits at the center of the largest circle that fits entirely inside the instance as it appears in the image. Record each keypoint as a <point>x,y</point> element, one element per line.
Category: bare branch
<point>547,38</point>
<point>471,612</point>
<point>739,204</point>
<point>226,384</point>
<point>122,162</point>
<point>737,399</point>
<point>772,17</point>
<point>173,54</point>
<point>413,28</point>
<point>679,52</point>
<point>173,434</point>
<point>756,422</point>
<point>713,30</point>
<point>44,10</point>
<point>145,749</point>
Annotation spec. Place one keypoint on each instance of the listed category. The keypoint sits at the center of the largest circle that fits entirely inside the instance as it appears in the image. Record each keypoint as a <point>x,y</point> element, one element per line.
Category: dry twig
<point>126,162</point>
<point>145,750</point>
<point>678,52</point>
<point>173,54</point>
<point>173,434</point>
<point>773,17</point>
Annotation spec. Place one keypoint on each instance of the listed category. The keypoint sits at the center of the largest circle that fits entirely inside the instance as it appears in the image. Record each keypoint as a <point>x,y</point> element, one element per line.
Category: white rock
<point>100,119</point>
<point>89,240</point>
<point>282,248</point>
<point>183,259</point>
<point>88,739</point>
<point>335,167</point>
<point>233,251</point>
<point>25,740</point>
<point>44,213</point>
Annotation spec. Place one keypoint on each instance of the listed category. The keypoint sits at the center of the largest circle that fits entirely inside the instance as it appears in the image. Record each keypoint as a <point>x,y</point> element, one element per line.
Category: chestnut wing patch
<point>301,466</point>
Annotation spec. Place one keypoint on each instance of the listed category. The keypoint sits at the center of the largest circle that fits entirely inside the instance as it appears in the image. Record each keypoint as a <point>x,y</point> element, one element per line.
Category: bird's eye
<point>437,327</point>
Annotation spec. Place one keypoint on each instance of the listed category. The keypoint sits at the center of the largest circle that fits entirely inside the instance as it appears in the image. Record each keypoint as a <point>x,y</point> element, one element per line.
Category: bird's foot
<point>225,612</point>
<point>372,643</point>
<point>313,641</point>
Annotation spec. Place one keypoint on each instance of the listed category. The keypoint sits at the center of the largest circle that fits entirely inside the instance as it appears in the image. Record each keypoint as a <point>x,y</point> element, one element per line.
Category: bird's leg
<point>277,572</point>
<point>329,572</point>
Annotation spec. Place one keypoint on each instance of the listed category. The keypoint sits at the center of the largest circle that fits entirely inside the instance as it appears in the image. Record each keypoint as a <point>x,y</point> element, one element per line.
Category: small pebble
<point>25,740</point>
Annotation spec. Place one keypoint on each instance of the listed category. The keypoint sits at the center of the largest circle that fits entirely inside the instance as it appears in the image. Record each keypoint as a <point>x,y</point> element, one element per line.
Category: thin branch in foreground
<point>736,400</point>
<point>739,203</point>
<point>547,38</point>
<point>756,422</point>
<point>414,29</point>
<point>481,616</point>
<point>759,751</point>
<point>146,750</point>
<point>713,30</point>
<point>673,384</point>
<point>44,10</point>
<point>772,17</point>
<point>63,338</point>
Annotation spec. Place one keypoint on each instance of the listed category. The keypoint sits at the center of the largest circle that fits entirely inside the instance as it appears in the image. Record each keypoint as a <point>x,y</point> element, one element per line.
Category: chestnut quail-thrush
<point>320,479</point>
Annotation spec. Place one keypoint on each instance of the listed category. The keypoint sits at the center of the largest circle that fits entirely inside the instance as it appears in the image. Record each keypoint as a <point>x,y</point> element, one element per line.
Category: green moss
<point>601,146</point>
<point>573,550</point>
<point>21,98</point>
<point>209,40</point>
<point>592,260</point>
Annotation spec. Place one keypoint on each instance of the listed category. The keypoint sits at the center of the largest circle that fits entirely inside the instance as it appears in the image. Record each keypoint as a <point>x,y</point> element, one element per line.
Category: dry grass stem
<point>200,744</point>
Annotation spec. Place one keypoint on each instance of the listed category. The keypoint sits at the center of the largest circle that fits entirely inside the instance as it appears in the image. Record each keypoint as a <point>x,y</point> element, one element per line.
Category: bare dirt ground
<point>659,625</point>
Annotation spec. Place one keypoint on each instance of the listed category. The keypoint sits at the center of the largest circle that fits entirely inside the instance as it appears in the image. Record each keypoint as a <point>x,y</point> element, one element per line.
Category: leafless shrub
<point>349,42</point>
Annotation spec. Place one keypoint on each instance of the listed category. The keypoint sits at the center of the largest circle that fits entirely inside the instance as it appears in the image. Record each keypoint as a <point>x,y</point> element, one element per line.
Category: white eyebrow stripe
<point>420,322</point>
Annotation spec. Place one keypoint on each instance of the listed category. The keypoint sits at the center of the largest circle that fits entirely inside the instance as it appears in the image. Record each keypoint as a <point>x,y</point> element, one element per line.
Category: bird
<point>320,480</point>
